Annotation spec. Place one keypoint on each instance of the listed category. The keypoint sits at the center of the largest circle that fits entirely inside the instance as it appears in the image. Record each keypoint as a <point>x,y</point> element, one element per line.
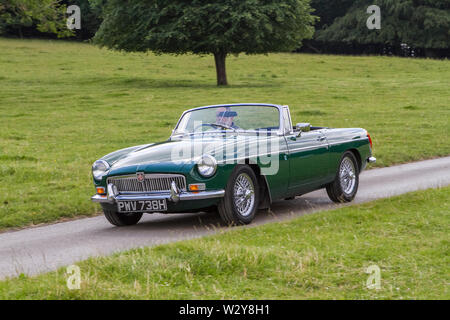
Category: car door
<point>308,160</point>
<point>277,171</point>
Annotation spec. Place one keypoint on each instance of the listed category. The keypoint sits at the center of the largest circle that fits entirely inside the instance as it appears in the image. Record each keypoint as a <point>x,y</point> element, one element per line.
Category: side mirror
<point>302,127</point>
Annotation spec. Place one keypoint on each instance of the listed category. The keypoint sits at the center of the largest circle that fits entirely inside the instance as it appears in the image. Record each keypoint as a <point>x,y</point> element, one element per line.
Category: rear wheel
<point>120,219</point>
<point>241,199</point>
<point>345,186</point>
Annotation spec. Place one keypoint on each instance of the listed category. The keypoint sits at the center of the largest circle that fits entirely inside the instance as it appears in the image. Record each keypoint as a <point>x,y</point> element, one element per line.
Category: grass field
<point>319,256</point>
<point>64,105</point>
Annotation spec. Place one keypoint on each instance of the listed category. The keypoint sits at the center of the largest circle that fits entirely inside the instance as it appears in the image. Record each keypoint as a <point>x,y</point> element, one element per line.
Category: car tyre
<point>120,219</point>
<point>345,186</point>
<point>240,203</point>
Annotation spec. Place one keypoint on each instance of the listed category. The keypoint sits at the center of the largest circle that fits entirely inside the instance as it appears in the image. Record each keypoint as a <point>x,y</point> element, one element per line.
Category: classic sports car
<point>233,158</point>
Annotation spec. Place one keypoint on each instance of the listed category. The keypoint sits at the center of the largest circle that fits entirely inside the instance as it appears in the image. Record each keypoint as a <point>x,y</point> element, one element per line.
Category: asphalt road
<point>41,249</point>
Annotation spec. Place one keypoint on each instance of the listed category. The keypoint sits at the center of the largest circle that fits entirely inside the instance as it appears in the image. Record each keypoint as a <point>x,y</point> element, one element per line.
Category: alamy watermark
<point>374,280</point>
<point>74,20</point>
<point>262,148</point>
<point>374,21</point>
<point>74,277</point>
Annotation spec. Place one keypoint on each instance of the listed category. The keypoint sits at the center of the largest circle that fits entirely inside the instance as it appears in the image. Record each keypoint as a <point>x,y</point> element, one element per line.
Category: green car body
<point>305,161</point>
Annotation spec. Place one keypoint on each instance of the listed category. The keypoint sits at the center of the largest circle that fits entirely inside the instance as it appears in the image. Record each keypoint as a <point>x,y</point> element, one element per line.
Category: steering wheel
<point>212,125</point>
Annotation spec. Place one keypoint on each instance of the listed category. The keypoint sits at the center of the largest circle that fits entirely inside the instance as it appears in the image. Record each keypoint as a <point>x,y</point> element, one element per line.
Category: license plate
<point>142,206</point>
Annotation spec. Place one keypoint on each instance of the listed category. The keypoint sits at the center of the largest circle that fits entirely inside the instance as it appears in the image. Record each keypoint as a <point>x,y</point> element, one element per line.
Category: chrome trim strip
<point>279,152</point>
<point>148,175</point>
<point>100,199</point>
<point>183,196</point>
<point>308,148</point>
<point>290,151</point>
<point>347,141</point>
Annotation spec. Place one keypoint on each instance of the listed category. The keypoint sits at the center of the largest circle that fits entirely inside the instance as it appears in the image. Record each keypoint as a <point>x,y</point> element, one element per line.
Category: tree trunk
<point>221,68</point>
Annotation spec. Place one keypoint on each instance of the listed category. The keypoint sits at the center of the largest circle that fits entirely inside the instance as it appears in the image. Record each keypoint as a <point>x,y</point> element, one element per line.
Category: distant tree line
<point>47,18</point>
<point>32,18</point>
<point>408,27</point>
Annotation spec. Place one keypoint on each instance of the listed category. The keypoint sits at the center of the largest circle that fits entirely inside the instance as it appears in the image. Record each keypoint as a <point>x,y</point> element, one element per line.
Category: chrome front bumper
<point>372,160</point>
<point>174,196</point>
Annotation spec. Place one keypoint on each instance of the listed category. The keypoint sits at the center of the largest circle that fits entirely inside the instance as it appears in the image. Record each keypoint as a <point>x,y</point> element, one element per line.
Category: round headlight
<point>99,169</point>
<point>207,166</point>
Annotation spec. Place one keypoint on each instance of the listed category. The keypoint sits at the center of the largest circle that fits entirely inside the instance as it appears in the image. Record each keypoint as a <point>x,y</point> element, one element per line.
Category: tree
<point>417,23</point>
<point>218,27</point>
<point>90,16</point>
<point>328,10</point>
<point>46,15</point>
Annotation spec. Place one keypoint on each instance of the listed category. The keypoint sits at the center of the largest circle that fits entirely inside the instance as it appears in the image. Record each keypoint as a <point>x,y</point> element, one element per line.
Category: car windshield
<point>236,118</point>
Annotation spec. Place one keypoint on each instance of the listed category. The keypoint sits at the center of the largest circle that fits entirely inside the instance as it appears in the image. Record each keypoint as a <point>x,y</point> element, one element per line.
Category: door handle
<point>323,138</point>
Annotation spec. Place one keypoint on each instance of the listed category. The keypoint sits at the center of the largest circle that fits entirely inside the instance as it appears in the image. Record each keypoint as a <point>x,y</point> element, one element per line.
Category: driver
<point>225,116</point>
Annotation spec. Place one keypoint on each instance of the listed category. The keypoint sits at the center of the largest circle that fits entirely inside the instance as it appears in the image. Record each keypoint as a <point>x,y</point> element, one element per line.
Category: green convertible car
<point>235,159</point>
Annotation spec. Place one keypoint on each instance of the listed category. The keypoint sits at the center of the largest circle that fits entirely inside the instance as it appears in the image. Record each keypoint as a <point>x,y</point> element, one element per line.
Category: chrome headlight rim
<point>207,166</point>
<point>97,172</point>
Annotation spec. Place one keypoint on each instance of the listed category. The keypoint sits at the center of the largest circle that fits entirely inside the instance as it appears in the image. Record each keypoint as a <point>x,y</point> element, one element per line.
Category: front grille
<point>151,183</point>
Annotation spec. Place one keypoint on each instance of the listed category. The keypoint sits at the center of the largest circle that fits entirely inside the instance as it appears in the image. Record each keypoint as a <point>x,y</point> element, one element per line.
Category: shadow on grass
<point>149,83</point>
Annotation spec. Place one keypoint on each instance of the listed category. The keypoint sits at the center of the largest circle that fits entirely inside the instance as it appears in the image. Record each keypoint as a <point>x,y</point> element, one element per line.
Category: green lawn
<point>64,105</point>
<point>319,256</point>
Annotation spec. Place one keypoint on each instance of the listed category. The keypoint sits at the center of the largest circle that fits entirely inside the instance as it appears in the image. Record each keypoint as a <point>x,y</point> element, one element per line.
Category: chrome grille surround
<point>153,183</point>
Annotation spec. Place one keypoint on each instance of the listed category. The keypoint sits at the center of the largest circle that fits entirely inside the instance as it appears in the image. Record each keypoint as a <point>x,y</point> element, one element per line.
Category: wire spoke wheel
<point>347,175</point>
<point>345,186</point>
<point>240,203</point>
<point>244,195</point>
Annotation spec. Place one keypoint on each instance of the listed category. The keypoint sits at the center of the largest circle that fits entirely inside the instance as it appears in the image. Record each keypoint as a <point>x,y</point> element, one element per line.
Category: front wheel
<point>120,219</point>
<point>240,203</point>
<point>345,186</point>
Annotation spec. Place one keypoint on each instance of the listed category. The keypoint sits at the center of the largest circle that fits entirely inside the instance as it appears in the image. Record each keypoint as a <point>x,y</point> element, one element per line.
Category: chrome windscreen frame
<point>280,132</point>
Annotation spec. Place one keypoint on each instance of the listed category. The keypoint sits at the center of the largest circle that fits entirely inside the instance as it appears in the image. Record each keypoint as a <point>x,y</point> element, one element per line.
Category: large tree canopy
<point>218,27</point>
<point>328,10</point>
<point>418,23</point>
<point>90,16</point>
<point>47,16</point>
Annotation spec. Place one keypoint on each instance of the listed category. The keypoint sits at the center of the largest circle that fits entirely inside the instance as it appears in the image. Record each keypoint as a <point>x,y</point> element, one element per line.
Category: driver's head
<point>225,116</point>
